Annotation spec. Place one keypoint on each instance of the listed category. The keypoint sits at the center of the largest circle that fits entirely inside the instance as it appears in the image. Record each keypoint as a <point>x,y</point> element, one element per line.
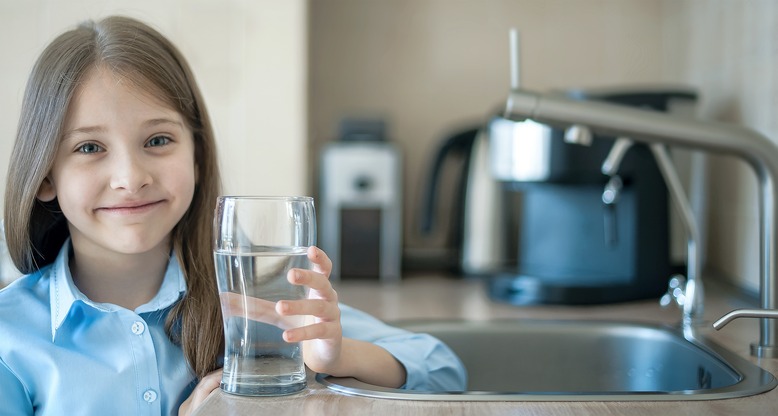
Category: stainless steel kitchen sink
<point>554,360</point>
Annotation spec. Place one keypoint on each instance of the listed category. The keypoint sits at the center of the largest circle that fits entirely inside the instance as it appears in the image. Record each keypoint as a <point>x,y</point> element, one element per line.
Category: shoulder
<point>24,302</point>
<point>26,288</point>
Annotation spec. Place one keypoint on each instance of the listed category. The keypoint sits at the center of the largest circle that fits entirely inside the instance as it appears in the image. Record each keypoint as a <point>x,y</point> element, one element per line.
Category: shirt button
<point>138,327</point>
<point>149,395</point>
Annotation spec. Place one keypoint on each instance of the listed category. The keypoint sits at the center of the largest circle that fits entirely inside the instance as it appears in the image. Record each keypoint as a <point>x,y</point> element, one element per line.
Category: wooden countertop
<point>422,297</point>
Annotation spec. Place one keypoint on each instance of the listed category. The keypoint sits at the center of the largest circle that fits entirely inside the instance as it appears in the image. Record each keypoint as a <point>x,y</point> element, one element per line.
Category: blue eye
<point>89,148</point>
<point>158,141</point>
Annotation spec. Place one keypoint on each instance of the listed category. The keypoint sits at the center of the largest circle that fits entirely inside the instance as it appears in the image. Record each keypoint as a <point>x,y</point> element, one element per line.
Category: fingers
<point>208,384</point>
<point>320,308</point>
<point>318,278</point>
<point>204,388</point>
<point>326,314</point>
<point>321,330</point>
<point>322,304</point>
<point>322,301</point>
<point>321,262</point>
<point>313,280</point>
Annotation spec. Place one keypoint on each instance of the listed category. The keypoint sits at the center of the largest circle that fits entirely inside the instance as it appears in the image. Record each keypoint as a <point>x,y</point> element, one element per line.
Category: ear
<point>47,192</point>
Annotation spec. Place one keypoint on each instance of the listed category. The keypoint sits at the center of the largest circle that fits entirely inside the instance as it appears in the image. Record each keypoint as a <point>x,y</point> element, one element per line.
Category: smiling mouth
<point>131,208</point>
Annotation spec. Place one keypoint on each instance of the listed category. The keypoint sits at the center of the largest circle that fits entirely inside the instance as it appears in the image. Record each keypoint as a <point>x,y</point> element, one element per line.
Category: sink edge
<point>753,380</point>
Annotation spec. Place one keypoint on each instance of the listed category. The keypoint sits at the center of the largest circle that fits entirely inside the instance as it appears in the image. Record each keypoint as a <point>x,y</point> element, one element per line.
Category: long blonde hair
<point>36,231</point>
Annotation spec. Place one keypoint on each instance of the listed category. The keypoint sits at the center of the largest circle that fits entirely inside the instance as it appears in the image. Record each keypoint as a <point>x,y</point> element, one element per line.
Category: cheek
<point>74,185</point>
<point>182,175</point>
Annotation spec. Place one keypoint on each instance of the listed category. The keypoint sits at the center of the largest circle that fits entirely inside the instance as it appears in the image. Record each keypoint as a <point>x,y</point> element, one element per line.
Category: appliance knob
<point>363,183</point>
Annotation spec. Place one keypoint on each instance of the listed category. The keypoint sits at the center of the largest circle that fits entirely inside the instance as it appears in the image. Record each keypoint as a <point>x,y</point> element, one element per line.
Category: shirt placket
<point>145,363</point>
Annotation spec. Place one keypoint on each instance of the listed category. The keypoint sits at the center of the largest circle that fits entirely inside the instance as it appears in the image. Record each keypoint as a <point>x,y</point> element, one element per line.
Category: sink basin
<point>555,360</point>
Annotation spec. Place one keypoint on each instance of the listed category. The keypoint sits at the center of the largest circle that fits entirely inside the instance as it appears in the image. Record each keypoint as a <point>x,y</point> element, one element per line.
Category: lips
<point>133,207</point>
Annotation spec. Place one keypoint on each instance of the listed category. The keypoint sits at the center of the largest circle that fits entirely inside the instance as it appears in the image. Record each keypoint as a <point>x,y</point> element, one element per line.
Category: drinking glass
<point>258,240</point>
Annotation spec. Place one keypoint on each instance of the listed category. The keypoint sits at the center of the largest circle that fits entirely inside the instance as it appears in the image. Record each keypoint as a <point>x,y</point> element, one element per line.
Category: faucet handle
<point>676,291</point>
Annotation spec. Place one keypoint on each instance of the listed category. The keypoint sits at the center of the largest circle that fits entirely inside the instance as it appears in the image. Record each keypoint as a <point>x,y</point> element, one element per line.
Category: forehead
<point>102,92</point>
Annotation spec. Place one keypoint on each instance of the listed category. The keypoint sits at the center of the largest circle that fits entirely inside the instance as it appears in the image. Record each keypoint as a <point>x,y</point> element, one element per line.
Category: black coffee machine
<point>576,244</point>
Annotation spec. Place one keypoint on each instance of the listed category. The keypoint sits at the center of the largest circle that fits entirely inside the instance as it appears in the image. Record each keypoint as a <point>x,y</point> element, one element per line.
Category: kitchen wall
<point>249,58</point>
<point>431,67</point>
<point>729,50</point>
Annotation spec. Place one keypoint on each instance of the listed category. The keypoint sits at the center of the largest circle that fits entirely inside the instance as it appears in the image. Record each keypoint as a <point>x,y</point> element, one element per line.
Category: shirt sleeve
<point>13,395</point>
<point>429,363</point>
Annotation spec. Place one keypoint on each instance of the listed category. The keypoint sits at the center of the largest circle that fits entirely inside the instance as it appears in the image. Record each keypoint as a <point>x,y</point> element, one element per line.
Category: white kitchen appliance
<point>361,209</point>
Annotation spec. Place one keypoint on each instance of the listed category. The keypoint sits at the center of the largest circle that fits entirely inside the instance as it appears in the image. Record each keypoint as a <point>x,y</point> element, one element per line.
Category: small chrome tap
<point>756,349</point>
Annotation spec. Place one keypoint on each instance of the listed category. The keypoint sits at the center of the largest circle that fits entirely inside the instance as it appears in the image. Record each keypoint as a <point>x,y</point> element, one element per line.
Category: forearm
<point>369,363</point>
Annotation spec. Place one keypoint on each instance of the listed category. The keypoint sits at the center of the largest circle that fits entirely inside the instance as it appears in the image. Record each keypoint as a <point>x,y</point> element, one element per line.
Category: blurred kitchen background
<point>281,77</point>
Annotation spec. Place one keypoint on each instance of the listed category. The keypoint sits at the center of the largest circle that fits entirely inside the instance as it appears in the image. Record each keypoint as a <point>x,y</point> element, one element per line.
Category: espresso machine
<point>588,233</point>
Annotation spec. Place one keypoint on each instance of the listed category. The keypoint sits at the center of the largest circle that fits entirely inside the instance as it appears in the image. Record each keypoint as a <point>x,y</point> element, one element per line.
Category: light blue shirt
<point>63,354</point>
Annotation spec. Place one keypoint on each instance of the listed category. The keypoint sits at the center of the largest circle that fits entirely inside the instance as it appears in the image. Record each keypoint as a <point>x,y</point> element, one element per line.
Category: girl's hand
<point>205,387</point>
<point>323,338</point>
<point>324,348</point>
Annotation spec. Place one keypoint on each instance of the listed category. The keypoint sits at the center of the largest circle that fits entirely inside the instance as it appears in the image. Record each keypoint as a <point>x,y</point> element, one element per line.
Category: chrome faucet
<point>665,129</point>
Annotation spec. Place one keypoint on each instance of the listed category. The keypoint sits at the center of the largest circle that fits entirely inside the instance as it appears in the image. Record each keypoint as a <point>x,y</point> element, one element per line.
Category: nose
<point>129,172</point>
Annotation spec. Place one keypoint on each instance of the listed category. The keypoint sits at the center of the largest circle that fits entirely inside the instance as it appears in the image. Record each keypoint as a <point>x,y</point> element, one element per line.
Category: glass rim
<point>265,198</point>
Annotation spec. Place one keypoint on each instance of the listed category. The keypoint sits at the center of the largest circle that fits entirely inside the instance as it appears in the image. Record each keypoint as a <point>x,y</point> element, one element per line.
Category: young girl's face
<point>124,174</point>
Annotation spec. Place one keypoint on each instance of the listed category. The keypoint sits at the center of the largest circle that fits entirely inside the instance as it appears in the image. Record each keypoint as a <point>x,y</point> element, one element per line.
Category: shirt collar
<point>64,293</point>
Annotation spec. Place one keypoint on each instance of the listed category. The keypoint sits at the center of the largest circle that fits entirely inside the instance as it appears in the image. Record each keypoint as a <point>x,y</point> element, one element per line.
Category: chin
<point>133,245</point>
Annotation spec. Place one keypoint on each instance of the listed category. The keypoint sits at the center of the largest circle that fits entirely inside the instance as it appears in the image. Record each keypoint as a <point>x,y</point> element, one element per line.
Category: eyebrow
<point>99,129</point>
<point>83,130</point>
<point>158,121</point>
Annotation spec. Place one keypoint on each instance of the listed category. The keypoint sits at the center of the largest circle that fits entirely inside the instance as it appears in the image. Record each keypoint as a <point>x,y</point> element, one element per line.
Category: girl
<point>108,210</point>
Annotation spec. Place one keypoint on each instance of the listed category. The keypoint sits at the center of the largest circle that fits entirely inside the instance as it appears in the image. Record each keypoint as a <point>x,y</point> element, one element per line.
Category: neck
<point>126,280</point>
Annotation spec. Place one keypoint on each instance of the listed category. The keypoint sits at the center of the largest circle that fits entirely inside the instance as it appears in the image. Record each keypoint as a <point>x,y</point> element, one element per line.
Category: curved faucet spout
<point>744,313</point>
<point>655,127</point>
